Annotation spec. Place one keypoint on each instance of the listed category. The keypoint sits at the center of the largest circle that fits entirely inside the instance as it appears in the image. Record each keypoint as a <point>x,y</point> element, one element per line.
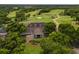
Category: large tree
<point>56,43</point>
<point>68,29</point>
<point>3,50</point>
<point>14,43</point>
<point>20,15</point>
<point>73,13</point>
<point>15,26</point>
<point>49,27</point>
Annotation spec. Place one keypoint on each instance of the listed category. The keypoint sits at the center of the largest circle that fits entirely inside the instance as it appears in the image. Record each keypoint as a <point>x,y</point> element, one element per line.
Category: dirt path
<point>56,23</point>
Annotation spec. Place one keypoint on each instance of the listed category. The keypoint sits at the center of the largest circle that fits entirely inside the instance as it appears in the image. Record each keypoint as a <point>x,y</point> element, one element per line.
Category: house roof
<point>25,33</point>
<point>3,34</point>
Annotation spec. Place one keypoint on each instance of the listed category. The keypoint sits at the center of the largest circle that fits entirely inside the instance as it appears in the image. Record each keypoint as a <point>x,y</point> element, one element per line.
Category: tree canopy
<point>53,44</point>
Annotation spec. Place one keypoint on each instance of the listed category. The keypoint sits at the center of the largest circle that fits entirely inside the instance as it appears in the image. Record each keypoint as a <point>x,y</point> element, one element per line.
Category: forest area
<point>60,30</point>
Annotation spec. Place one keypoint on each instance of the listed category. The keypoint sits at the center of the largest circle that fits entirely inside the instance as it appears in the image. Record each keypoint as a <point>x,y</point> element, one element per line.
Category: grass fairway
<point>64,20</point>
<point>32,49</point>
<point>56,11</point>
<point>40,18</point>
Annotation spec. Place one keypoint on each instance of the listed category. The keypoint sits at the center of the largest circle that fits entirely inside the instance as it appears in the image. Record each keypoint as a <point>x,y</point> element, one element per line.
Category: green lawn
<point>64,20</point>
<point>40,18</point>
<point>56,11</point>
<point>45,17</point>
<point>36,19</point>
<point>32,49</point>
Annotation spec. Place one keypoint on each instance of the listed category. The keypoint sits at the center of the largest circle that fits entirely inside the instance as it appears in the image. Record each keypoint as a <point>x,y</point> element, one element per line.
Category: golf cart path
<point>56,23</point>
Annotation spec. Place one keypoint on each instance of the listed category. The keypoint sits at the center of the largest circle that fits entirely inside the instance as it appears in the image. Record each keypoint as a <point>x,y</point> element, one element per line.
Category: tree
<point>14,43</point>
<point>56,43</point>
<point>3,50</point>
<point>76,41</point>
<point>20,16</point>
<point>46,10</point>
<point>49,27</point>
<point>61,38</point>
<point>77,34</point>
<point>72,13</point>
<point>4,20</point>
<point>15,26</point>
<point>4,12</point>
<point>68,29</point>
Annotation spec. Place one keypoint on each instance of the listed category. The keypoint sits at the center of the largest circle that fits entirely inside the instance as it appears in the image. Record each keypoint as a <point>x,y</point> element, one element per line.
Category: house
<point>36,30</point>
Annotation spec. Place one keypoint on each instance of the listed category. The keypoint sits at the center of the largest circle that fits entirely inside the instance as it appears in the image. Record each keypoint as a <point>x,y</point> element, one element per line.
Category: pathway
<point>56,23</point>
